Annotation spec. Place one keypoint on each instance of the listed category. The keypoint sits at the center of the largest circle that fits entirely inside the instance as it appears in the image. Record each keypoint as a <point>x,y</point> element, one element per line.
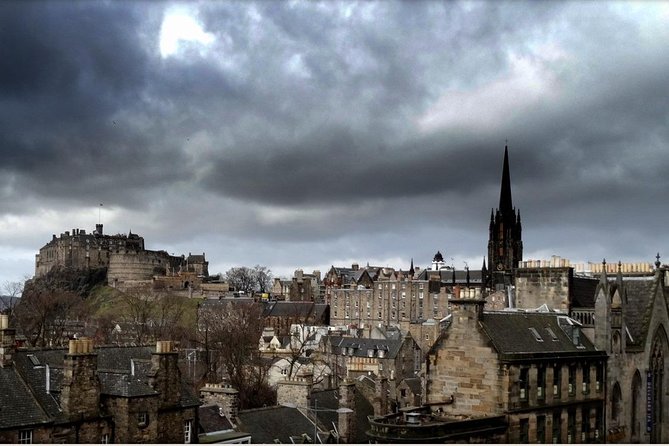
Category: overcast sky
<point>306,134</point>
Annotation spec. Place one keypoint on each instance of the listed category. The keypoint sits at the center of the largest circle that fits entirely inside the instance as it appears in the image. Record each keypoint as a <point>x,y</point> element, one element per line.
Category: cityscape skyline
<point>314,134</point>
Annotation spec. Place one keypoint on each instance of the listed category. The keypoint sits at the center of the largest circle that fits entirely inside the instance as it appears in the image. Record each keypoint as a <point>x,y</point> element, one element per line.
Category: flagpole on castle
<point>99,212</point>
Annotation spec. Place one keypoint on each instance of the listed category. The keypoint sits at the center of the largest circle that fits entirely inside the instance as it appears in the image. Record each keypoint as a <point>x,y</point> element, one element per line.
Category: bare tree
<point>232,332</point>
<point>44,314</point>
<point>263,277</point>
<point>11,293</point>
<point>258,278</point>
<point>136,311</point>
<point>241,279</point>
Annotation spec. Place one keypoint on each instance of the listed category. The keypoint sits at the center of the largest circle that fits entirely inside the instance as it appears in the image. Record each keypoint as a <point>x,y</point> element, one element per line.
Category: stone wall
<point>224,396</point>
<point>464,366</point>
<point>294,391</point>
<point>131,265</point>
<point>538,286</point>
<point>171,425</point>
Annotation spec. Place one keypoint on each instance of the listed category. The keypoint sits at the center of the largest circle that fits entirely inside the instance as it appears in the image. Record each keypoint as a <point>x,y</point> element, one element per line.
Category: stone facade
<point>295,391</point>
<point>534,368</point>
<point>631,321</point>
<point>547,285</point>
<point>400,302</point>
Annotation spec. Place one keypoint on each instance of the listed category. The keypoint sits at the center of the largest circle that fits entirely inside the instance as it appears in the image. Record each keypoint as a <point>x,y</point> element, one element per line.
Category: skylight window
<point>34,360</point>
<point>552,333</point>
<point>536,334</point>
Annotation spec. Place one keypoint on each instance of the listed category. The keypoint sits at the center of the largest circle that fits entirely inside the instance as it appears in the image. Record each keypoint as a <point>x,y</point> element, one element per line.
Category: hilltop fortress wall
<point>128,263</point>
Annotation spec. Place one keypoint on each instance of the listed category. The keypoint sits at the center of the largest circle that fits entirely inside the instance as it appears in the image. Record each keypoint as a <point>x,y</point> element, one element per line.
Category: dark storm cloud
<point>364,125</point>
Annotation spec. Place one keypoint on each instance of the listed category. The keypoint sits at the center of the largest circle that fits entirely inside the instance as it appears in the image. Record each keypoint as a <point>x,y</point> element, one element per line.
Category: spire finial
<point>505,202</point>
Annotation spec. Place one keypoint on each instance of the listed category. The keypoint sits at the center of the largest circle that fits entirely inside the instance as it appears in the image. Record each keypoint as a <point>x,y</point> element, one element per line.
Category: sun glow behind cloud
<point>180,26</point>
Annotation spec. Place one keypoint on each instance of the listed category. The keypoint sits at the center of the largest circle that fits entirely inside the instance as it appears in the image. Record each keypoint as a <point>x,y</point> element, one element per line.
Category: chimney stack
<point>347,424</point>
<point>80,388</point>
<point>223,395</point>
<point>165,376</point>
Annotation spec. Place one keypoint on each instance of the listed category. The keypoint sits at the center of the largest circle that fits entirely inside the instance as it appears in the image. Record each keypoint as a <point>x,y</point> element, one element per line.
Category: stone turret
<point>80,388</point>
<point>7,339</point>
<point>165,376</point>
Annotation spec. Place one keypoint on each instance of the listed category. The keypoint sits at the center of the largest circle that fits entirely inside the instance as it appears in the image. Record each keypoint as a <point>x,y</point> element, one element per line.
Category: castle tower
<point>505,245</point>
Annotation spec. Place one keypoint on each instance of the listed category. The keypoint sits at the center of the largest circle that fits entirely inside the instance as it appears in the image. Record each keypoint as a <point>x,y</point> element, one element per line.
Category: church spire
<point>505,202</point>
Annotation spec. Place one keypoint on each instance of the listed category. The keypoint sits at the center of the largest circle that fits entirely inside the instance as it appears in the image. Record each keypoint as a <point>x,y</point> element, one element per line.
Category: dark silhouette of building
<point>505,245</point>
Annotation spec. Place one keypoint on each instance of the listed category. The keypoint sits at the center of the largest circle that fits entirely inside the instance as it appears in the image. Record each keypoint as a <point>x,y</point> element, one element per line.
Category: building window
<point>188,427</point>
<point>541,429</point>
<point>571,426</point>
<point>541,383</point>
<point>586,379</point>
<point>104,439</point>
<point>420,295</point>
<point>523,383</point>
<point>599,377</point>
<point>142,419</point>
<point>585,424</point>
<point>557,428</point>
<point>572,380</point>
<point>524,431</point>
<point>26,436</point>
<point>599,422</point>
<point>556,381</point>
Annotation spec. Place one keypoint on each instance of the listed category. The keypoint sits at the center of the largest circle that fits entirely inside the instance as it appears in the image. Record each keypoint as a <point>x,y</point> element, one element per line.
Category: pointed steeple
<point>411,270</point>
<point>505,202</point>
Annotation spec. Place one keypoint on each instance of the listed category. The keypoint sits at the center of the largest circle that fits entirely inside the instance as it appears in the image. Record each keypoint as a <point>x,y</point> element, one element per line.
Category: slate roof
<point>24,409</point>
<point>361,346</point>
<point>414,385</point>
<point>511,334</point>
<point>24,383</point>
<point>267,423</point>
<point>446,276</point>
<point>124,385</point>
<point>638,307</point>
<point>211,421</point>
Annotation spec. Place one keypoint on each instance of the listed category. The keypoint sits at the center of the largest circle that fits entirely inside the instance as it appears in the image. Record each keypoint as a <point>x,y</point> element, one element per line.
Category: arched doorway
<point>655,418</point>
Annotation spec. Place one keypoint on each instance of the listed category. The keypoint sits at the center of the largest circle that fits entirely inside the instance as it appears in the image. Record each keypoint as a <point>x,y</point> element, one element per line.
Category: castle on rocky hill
<point>128,263</point>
